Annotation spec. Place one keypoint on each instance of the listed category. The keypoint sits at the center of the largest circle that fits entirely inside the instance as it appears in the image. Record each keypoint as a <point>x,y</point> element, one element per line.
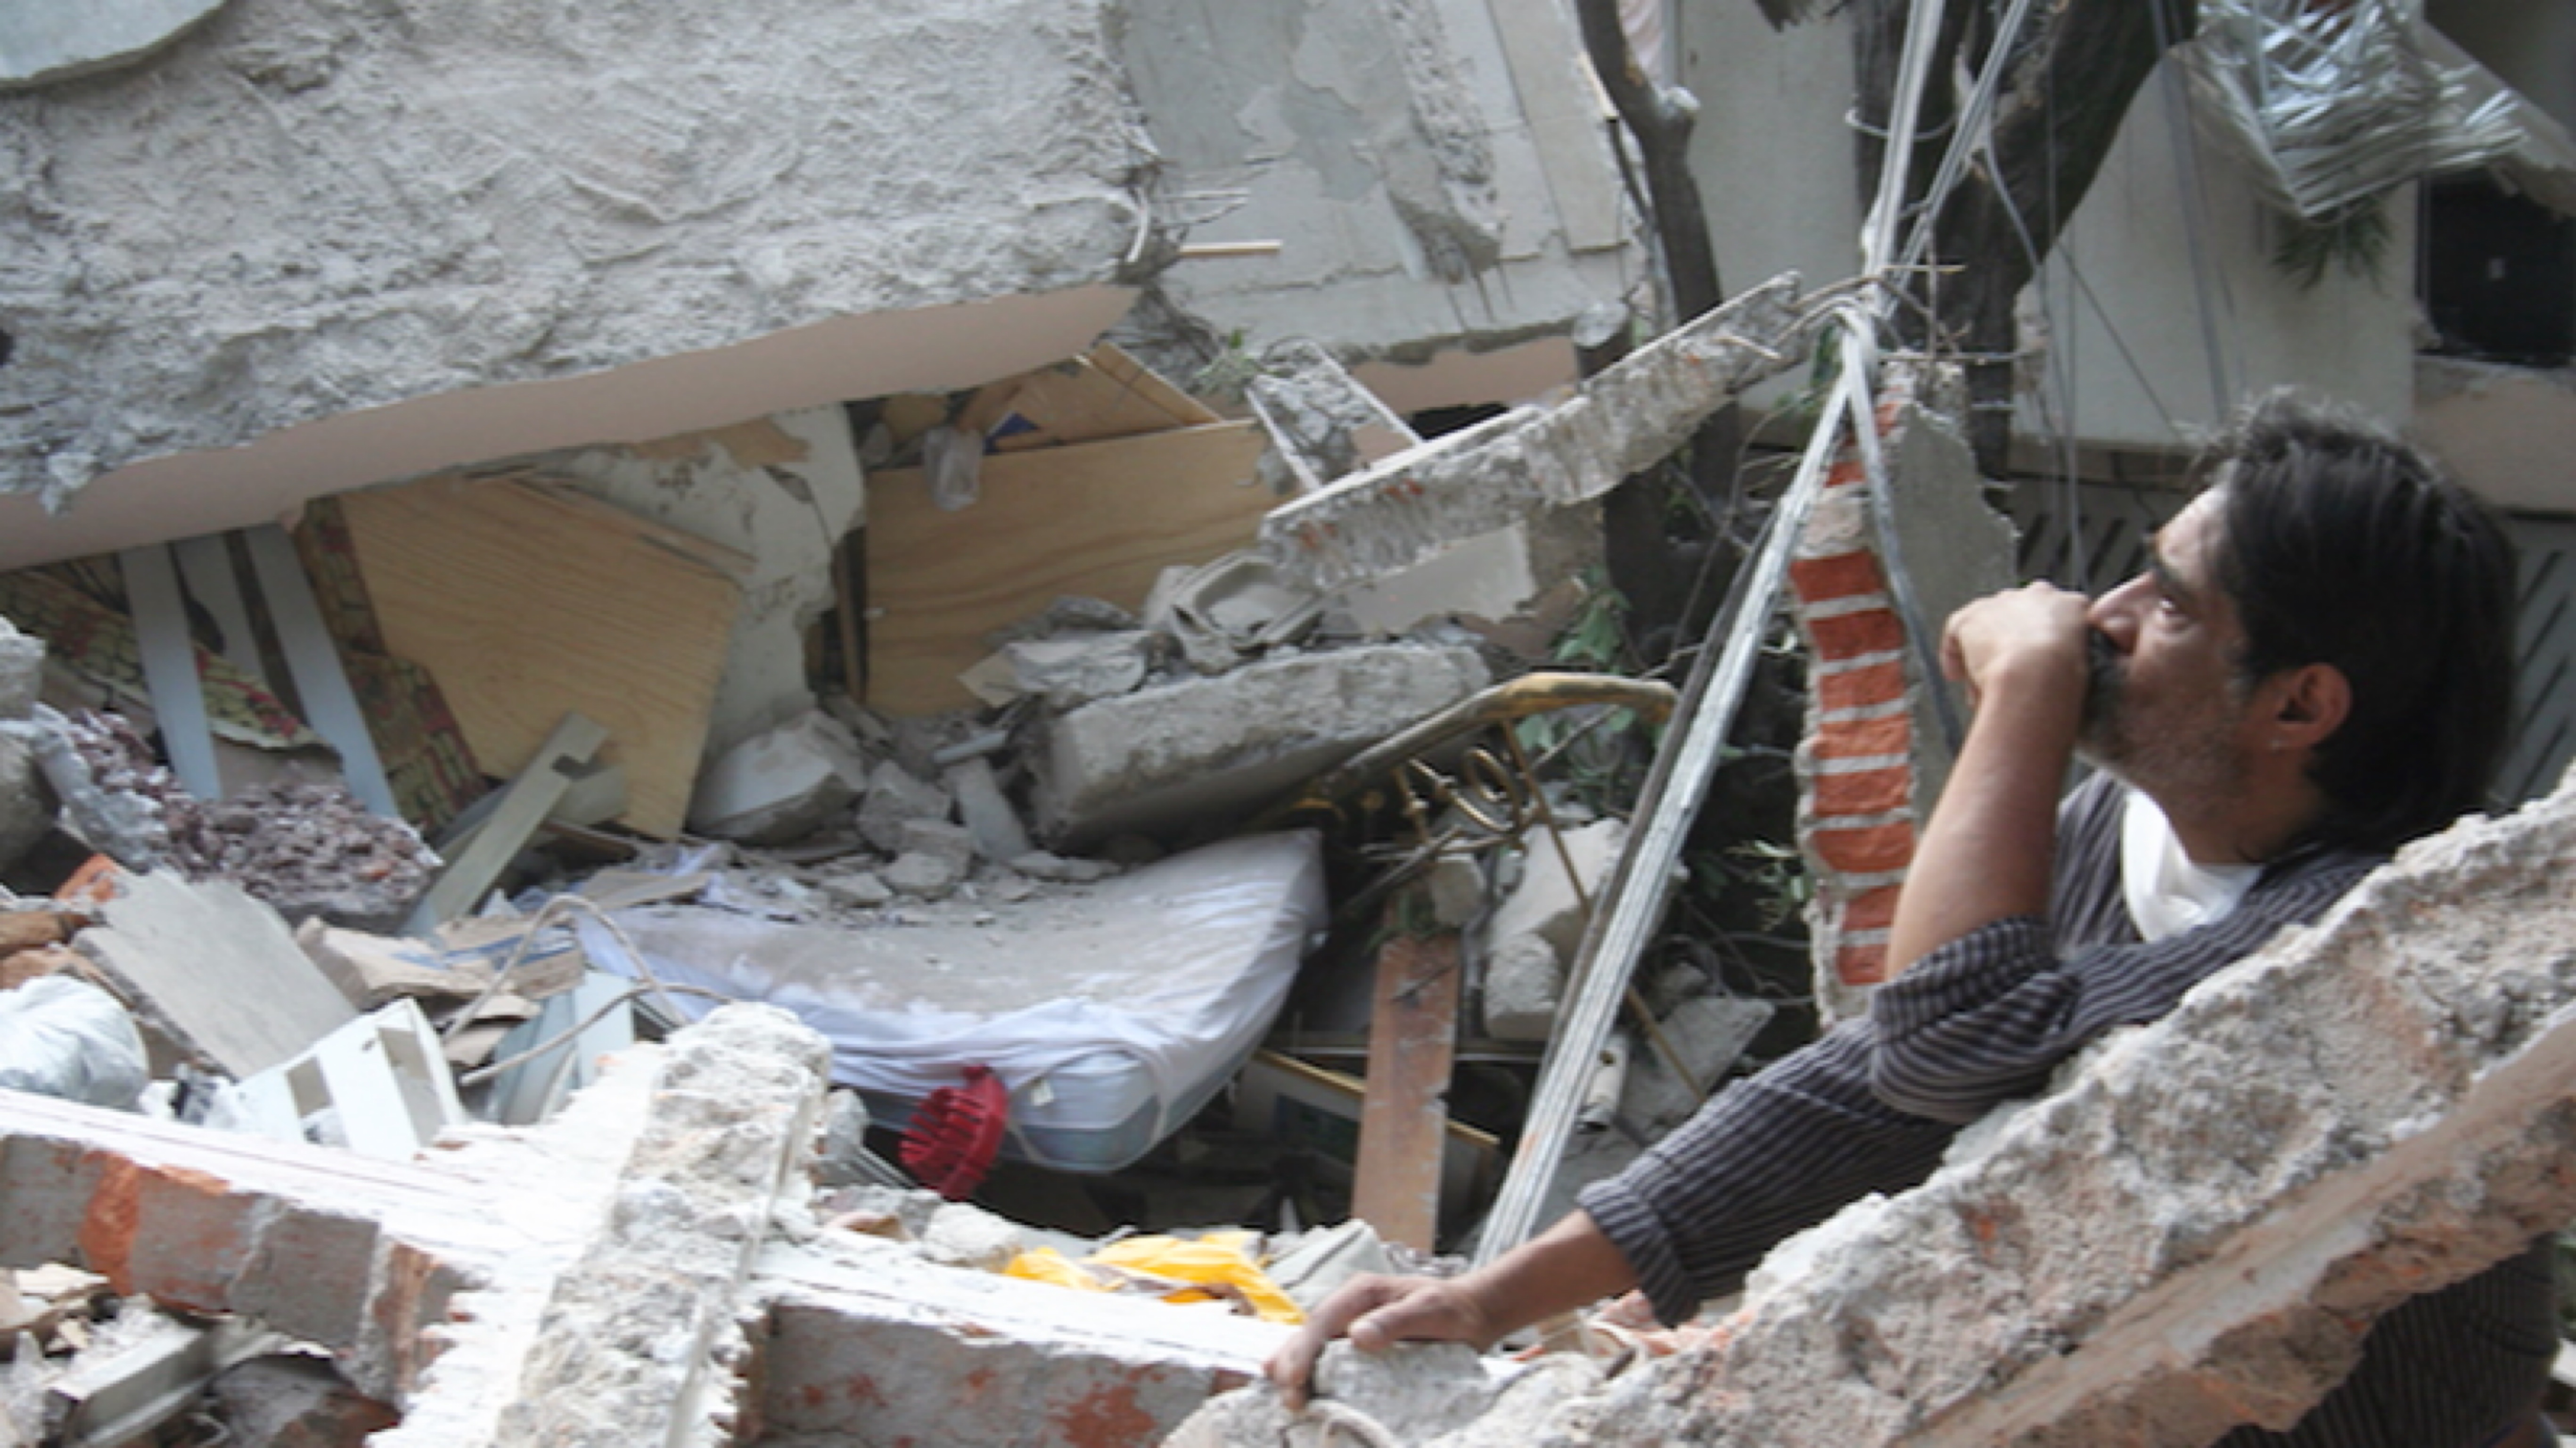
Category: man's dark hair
<point>2343,545</point>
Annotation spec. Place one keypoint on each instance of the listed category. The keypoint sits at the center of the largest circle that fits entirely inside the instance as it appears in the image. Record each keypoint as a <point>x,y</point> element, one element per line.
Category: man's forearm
<point>1570,1265</point>
<point>1988,851</point>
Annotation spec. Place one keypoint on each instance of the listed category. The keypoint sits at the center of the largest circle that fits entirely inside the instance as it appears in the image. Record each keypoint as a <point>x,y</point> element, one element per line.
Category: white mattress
<point>1112,1013</point>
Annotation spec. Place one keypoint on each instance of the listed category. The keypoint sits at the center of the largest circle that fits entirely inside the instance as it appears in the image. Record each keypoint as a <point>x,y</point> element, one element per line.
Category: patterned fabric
<point>426,760</point>
<point>1871,1105</point>
<point>89,631</point>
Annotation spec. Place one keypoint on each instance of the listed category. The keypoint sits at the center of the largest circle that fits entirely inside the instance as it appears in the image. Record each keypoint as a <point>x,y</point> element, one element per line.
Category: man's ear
<point>2311,703</point>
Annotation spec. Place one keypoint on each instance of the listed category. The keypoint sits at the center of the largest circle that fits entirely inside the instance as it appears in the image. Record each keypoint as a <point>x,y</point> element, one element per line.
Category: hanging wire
<point>2195,205</point>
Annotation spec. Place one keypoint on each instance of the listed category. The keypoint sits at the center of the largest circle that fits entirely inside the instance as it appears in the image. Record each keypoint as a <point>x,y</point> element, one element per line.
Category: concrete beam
<point>2196,1231</point>
<point>867,1343</point>
<point>1402,510</point>
<point>1184,754</point>
<point>603,1251</point>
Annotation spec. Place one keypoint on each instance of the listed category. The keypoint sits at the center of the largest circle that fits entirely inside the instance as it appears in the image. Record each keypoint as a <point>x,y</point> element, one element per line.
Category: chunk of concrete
<point>999,835</point>
<point>27,805</point>
<point>781,785</point>
<point>1048,865</point>
<point>637,1339</point>
<point>896,796</point>
<point>1324,1259</point>
<point>951,844</point>
<point>295,1402</point>
<point>41,44</point>
<point>1547,902</point>
<point>1710,1032</point>
<point>1524,986</point>
<point>924,875</point>
<point>215,976</point>
<point>22,671</point>
<point>867,1343</point>
<point>1163,759</point>
<point>858,889</point>
<point>1411,1393</point>
<point>970,1237</point>
<point>1070,670</point>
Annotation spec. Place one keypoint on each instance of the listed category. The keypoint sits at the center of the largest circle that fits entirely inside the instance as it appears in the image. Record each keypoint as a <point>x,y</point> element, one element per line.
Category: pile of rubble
<point>1083,836</point>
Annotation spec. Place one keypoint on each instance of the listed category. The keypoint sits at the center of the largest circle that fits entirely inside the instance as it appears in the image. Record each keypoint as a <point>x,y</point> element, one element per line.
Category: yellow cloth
<point>1217,1267</point>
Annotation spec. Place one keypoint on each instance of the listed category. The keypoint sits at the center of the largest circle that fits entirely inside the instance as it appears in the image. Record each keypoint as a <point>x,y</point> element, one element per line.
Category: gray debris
<point>999,835</point>
<point>896,796</point>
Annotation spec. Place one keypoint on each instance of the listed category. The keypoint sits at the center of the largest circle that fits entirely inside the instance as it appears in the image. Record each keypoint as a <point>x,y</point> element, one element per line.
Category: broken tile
<point>213,973</point>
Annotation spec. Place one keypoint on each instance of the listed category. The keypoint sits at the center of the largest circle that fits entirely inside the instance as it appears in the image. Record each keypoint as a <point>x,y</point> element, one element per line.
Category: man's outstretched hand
<point>1376,1313</point>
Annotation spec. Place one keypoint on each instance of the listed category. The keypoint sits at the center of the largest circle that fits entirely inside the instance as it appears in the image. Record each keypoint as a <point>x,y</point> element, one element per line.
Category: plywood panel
<point>528,602</point>
<point>1101,519</point>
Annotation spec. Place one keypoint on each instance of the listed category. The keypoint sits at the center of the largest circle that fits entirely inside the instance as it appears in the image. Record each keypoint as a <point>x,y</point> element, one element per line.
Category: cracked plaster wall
<point>305,209</point>
<point>1432,180</point>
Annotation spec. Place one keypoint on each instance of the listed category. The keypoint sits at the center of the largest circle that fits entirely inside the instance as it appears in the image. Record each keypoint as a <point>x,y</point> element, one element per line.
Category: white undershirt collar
<point>2166,892</point>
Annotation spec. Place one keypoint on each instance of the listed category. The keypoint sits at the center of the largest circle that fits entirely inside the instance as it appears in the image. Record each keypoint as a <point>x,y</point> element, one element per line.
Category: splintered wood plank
<point>527,602</point>
<point>1101,519</point>
<point>1413,1032</point>
<point>1102,394</point>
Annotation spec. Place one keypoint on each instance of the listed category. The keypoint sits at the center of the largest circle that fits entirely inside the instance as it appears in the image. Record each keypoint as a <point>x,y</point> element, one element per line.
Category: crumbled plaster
<point>782,491</point>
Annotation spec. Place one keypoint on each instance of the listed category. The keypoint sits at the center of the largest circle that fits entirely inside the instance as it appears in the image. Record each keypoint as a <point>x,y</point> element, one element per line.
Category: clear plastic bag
<point>67,1038</point>
<point>953,461</point>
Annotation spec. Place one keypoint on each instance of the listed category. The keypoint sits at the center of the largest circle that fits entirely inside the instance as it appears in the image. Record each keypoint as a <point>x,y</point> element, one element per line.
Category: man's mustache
<point>2105,671</point>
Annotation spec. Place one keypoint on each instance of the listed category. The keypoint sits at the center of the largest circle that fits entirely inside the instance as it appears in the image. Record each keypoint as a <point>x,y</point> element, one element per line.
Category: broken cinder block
<point>1170,757</point>
<point>781,785</point>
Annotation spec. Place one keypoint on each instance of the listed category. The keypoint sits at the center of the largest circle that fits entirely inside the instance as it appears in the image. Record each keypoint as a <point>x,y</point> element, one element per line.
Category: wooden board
<point>1413,1031</point>
<point>528,601</point>
<point>1101,519</point>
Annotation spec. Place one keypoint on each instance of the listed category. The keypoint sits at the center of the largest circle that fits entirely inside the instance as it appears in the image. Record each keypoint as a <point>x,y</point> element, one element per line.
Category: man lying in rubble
<point>2315,667</point>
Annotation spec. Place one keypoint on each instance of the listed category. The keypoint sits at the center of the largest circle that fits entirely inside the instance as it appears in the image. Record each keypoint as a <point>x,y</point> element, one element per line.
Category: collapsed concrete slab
<point>413,245</point>
<point>1170,757</point>
<point>2371,1108</point>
